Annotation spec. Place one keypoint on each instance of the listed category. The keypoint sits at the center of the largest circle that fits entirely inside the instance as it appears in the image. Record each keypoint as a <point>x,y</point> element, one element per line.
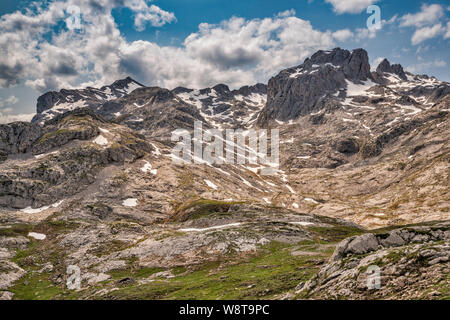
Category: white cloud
<point>426,33</point>
<point>155,16</point>
<point>236,51</point>
<point>350,6</point>
<point>7,103</point>
<point>70,54</point>
<point>438,63</point>
<point>375,63</point>
<point>364,33</point>
<point>12,100</point>
<point>447,33</point>
<point>287,13</point>
<point>429,14</point>
<point>342,35</point>
<point>426,23</point>
<point>7,118</point>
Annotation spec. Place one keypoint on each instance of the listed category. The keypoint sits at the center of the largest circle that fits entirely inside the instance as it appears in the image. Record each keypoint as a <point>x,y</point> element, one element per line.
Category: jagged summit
<point>303,89</point>
<point>355,64</point>
<point>329,78</point>
<point>386,67</point>
<point>53,103</point>
<point>123,84</point>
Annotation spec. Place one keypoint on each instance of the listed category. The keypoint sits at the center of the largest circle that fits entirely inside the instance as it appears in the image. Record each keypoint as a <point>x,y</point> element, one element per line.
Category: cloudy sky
<point>54,44</point>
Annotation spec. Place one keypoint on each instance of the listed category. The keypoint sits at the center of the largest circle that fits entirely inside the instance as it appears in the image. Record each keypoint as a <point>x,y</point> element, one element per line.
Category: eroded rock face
<point>65,172</point>
<point>386,67</point>
<point>18,137</point>
<point>301,90</point>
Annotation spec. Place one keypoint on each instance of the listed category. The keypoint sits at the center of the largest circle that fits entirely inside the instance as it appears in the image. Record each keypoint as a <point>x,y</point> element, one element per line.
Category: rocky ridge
<point>91,182</point>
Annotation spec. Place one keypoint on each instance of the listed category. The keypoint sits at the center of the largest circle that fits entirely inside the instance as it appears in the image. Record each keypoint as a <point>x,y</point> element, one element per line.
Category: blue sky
<point>199,43</point>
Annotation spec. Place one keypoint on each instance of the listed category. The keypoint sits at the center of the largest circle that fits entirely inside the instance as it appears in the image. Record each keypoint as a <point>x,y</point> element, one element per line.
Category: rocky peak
<point>222,89</point>
<point>300,90</point>
<point>386,67</point>
<point>258,88</point>
<point>337,57</point>
<point>53,103</point>
<point>123,84</point>
<point>357,66</point>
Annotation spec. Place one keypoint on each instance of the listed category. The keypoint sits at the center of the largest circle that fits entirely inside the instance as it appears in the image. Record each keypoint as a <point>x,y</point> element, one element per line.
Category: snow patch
<point>290,189</point>
<point>302,223</point>
<point>30,210</point>
<point>45,154</point>
<point>101,140</point>
<point>311,200</point>
<point>131,202</point>
<point>211,228</point>
<point>37,236</point>
<point>210,184</point>
<point>148,168</point>
<point>354,89</point>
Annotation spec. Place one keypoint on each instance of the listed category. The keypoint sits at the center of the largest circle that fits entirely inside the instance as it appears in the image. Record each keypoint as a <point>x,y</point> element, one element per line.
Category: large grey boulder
<point>363,244</point>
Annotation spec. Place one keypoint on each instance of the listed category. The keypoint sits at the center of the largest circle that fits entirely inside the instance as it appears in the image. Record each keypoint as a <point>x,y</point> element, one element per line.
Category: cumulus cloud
<point>27,53</point>
<point>426,23</point>
<point>12,100</point>
<point>7,110</point>
<point>235,51</point>
<point>8,102</point>
<point>425,33</point>
<point>447,33</point>
<point>429,14</point>
<point>437,63</point>
<point>342,35</point>
<point>350,6</point>
<point>8,118</point>
<point>154,15</point>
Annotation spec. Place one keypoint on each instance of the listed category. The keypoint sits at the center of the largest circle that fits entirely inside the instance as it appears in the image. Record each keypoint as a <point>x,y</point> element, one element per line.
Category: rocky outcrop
<point>306,88</point>
<point>386,67</point>
<point>17,137</point>
<point>153,110</point>
<point>66,172</point>
<point>73,125</point>
<point>371,242</point>
<point>410,263</point>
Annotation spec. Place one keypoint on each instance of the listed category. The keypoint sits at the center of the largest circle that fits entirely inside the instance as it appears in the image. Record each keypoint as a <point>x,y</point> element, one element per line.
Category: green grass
<point>35,286</point>
<point>272,271</point>
<point>335,233</point>
<point>108,247</point>
<point>140,273</point>
<point>19,229</point>
<point>53,134</point>
<point>198,208</point>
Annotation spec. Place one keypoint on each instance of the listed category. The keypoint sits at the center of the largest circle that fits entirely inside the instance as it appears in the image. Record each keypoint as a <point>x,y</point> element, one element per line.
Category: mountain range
<point>363,180</point>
